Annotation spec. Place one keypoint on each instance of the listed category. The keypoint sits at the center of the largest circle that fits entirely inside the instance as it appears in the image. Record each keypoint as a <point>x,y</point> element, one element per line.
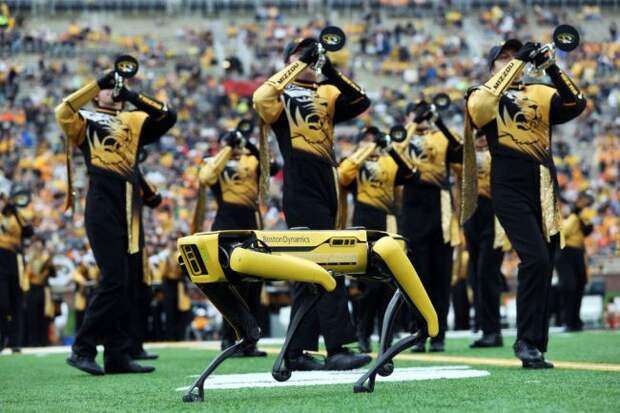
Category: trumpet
<point>125,67</point>
<point>396,134</point>
<point>441,101</point>
<point>240,135</point>
<point>21,198</point>
<point>331,39</point>
<point>565,38</point>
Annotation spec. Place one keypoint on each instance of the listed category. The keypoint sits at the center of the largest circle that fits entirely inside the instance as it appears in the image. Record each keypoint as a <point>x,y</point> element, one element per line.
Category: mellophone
<point>217,261</point>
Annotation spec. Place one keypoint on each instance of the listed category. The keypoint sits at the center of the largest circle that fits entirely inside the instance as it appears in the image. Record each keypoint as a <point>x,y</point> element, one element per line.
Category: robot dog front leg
<point>248,263</point>
<point>411,289</point>
<point>234,309</point>
<point>284,267</point>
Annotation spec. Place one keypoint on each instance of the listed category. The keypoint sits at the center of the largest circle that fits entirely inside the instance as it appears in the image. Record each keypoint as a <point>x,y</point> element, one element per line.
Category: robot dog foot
<point>196,391</point>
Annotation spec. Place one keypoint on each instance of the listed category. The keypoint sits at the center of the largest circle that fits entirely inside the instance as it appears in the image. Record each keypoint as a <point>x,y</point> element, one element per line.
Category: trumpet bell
<point>441,101</point>
<point>126,66</point>
<point>332,38</point>
<point>21,199</point>
<point>245,126</point>
<point>566,38</point>
<point>398,133</point>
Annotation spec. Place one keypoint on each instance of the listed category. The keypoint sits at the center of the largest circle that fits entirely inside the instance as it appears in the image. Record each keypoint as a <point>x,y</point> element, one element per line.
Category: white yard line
<point>316,378</point>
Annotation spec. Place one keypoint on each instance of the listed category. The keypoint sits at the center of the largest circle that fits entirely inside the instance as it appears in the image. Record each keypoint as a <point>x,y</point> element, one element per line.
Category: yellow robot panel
<point>200,254</point>
<point>344,252</point>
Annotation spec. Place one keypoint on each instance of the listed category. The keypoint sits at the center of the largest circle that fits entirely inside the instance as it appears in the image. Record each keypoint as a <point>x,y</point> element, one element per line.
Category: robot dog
<point>215,261</point>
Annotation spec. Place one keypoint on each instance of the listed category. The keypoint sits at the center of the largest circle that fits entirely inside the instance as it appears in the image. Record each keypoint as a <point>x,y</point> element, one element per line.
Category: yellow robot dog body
<point>216,261</point>
<point>341,252</point>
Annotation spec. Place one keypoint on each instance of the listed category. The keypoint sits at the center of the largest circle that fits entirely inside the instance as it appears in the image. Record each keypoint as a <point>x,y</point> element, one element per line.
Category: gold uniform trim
<point>500,239</point>
<point>133,220</point>
<point>551,216</point>
<point>573,233</point>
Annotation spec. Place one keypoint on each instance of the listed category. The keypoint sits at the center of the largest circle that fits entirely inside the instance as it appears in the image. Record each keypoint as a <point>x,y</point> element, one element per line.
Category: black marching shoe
<point>251,351</point>
<point>345,359</point>
<point>419,345</point>
<point>143,355</point>
<point>229,343</point>
<point>226,343</point>
<point>364,345</point>
<point>437,347</point>
<point>86,364</point>
<point>488,340</point>
<point>125,365</point>
<point>530,356</point>
<point>304,362</point>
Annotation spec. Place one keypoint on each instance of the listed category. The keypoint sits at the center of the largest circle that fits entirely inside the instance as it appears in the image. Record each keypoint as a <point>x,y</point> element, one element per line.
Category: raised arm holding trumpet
<point>516,119</point>
<point>110,139</point>
<point>302,110</point>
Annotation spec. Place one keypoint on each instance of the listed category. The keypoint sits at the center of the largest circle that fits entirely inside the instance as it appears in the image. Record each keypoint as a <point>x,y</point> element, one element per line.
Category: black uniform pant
<point>571,266</point>
<point>138,304</point>
<point>460,304</point>
<point>516,202</point>
<point>79,319</point>
<point>430,255</point>
<point>176,320</point>
<point>106,228</point>
<point>231,216</point>
<point>37,325</point>
<point>484,266</point>
<point>375,295</point>
<point>331,316</point>
<point>11,299</point>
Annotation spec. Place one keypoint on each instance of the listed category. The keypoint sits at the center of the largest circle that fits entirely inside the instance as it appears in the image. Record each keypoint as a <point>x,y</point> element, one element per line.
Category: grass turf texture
<point>30,383</point>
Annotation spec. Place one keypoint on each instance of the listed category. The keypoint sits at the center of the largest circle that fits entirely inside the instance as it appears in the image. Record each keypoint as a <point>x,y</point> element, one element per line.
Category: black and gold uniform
<point>427,219</point>
<point>302,115</point>
<point>110,142</point>
<point>233,176</point>
<point>516,119</point>
<point>177,304</point>
<point>571,265</point>
<point>13,283</point>
<point>485,240</point>
<point>39,305</point>
<point>373,176</point>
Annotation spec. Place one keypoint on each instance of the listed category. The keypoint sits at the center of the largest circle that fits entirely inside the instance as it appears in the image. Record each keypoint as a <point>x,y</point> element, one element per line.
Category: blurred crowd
<point>210,80</point>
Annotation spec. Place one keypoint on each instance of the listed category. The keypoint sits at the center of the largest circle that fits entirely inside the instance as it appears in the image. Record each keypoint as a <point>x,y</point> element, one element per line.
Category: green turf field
<point>44,383</point>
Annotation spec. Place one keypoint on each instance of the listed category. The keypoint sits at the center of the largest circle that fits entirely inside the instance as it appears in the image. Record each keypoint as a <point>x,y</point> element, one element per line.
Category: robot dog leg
<point>246,263</point>
<point>413,291</point>
<point>387,330</point>
<point>234,309</point>
<point>282,267</point>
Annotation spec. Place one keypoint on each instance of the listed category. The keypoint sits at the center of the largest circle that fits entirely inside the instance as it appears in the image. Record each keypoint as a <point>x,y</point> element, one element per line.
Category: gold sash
<point>133,220</point>
<point>551,215</point>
